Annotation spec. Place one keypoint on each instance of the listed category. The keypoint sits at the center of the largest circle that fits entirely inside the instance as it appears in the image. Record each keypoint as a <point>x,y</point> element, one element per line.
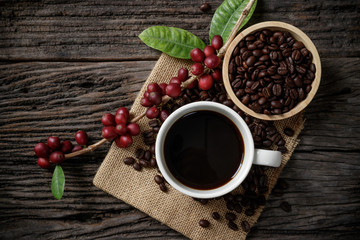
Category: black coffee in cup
<point>203,150</point>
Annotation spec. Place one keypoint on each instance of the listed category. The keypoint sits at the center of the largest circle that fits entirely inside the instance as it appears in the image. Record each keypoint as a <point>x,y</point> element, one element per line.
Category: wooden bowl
<point>298,35</point>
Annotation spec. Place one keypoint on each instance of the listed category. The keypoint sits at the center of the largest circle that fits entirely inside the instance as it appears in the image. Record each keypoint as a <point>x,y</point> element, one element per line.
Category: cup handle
<point>267,158</point>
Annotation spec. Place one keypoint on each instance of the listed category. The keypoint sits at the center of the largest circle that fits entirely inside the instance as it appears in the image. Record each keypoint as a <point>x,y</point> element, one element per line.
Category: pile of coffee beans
<point>271,72</point>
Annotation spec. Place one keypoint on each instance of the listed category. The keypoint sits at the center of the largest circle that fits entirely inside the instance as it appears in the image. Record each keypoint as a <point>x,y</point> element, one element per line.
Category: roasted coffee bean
<point>129,160</point>
<point>139,153</point>
<point>152,149</point>
<point>230,206</point>
<point>249,212</point>
<point>205,7</point>
<point>233,226</point>
<point>251,61</point>
<point>144,163</point>
<point>245,226</point>
<point>237,208</point>
<point>277,90</point>
<point>282,184</point>
<point>163,187</point>
<point>289,132</point>
<point>228,103</point>
<point>276,104</point>
<point>298,45</point>
<point>153,123</point>
<point>204,223</point>
<point>153,162</point>
<point>147,155</point>
<point>204,201</point>
<point>158,179</point>
<point>285,206</point>
<point>137,166</point>
<point>282,149</point>
<point>230,216</point>
<point>215,215</point>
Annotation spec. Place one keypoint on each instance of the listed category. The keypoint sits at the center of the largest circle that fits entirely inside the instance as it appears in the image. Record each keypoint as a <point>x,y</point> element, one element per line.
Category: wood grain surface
<point>65,63</point>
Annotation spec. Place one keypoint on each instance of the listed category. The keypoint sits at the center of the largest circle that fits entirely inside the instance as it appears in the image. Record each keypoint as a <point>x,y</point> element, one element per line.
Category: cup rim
<point>243,169</point>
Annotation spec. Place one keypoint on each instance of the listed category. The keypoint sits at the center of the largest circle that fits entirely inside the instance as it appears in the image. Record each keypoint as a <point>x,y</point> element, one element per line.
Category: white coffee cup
<point>251,155</point>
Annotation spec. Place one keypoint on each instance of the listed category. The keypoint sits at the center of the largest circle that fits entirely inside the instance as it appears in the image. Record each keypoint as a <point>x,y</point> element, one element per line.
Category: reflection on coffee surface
<point>203,150</point>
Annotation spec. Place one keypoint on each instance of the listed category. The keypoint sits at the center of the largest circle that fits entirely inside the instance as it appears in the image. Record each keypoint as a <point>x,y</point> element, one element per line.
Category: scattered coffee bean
<point>215,215</point>
<point>153,162</point>
<point>245,226</point>
<point>152,149</point>
<point>158,179</point>
<point>144,163</point>
<point>230,216</point>
<point>282,184</point>
<point>285,206</point>
<point>205,7</point>
<point>233,226</point>
<point>129,160</point>
<point>238,208</point>
<point>137,166</point>
<point>204,223</point>
<point>163,187</point>
<point>204,201</point>
<point>289,132</point>
<point>147,155</point>
<point>139,153</point>
<point>249,212</point>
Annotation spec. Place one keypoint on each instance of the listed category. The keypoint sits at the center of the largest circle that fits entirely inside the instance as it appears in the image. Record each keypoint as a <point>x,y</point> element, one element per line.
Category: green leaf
<point>175,42</point>
<point>58,182</point>
<point>226,16</point>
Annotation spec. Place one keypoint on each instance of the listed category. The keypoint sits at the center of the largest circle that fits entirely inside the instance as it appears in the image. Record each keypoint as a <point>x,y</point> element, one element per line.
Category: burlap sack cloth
<point>174,209</point>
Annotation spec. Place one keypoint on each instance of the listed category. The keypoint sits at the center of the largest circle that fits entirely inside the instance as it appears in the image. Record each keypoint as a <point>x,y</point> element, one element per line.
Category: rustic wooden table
<point>65,63</point>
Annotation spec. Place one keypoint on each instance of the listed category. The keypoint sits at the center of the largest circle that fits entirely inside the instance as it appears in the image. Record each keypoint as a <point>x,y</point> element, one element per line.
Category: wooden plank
<point>40,99</point>
<point>108,30</point>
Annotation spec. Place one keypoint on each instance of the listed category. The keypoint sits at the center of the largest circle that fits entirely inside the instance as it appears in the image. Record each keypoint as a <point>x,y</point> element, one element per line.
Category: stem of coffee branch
<point>192,78</point>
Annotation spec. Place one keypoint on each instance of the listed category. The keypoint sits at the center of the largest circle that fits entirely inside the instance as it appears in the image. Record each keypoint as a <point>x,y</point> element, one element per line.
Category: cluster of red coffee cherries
<point>53,151</point>
<point>207,58</point>
<point>119,128</point>
<point>153,95</point>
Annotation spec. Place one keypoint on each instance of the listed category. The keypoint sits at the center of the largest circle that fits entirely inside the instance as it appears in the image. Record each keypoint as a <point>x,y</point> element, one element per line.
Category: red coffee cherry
<point>124,141</point>
<point>66,146</point>
<point>76,148</point>
<point>120,118</point>
<point>133,129</point>
<point>108,119</point>
<point>192,85</point>
<point>183,74</point>
<point>175,80</point>
<point>173,90</point>
<point>155,97</point>
<point>197,69</point>
<point>121,129</point>
<point>212,61</point>
<point>163,87</point>
<point>57,157</point>
<point>152,112</point>
<point>205,82</point>
<point>43,162</point>
<point>197,55</point>
<point>217,42</point>
<point>42,150</point>
<point>124,111</point>
<point>209,50</point>
<point>164,114</point>
<point>53,142</point>
<point>217,75</point>
<point>81,137</point>
<point>145,102</point>
<point>153,87</point>
<point>109,132</point>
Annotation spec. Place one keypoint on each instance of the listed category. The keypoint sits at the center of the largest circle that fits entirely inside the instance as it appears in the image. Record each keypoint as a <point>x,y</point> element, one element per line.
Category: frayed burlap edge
<point>174,209</point>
